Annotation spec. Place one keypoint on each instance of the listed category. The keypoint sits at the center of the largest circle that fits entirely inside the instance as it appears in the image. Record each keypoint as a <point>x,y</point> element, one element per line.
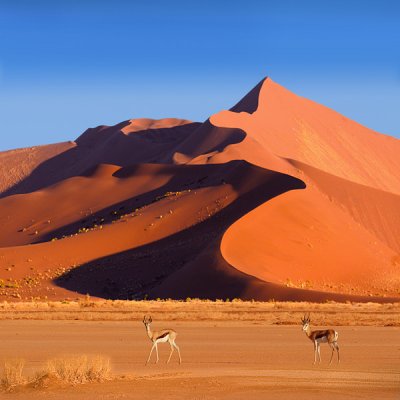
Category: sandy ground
<point>221,360</point>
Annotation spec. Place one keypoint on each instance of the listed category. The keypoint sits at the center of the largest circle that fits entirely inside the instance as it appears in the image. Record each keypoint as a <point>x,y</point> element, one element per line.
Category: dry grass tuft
<point>72,370</point>
<point>79,369</point>
<point>12,374</point>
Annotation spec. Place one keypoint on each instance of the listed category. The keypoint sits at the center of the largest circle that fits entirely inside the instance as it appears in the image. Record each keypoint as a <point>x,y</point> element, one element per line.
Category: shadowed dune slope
<point>17,165</point>
<point>130,142</point>
<point>249,103</point>
<point>214,197</point>
<point>279,197</point>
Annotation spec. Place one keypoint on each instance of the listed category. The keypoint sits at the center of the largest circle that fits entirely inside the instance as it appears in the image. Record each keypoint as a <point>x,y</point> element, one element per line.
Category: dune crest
<point>278,197</point>
<point>296,128</point>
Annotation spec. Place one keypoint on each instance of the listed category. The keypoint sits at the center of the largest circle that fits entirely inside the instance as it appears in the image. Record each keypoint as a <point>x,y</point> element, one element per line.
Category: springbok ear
<point>150,320</point>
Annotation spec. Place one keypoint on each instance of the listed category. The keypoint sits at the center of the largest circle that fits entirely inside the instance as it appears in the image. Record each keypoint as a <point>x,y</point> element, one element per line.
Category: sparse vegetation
<point>79,369</point>
<point>72,370</point>
<point>93,223</point>
<point>10,284</point>
<point>192,309</point>
<point>12,373</point>
<point>171,194</point>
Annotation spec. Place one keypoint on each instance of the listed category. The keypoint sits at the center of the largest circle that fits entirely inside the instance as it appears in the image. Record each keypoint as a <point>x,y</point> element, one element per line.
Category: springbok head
<point>147,320</point>
<point>306,322</point>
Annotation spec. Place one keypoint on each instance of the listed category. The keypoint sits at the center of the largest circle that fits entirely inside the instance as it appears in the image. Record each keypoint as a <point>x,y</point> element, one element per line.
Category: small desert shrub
<point>98,369</point>
<point>12,374</point>
<point>236,300</point>
<point>79,369</point>
<point>86,302</point>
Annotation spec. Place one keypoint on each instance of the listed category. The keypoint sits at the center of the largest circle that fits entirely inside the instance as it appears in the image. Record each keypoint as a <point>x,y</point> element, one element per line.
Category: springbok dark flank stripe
<point>163,335</point>
<point>321,334</point>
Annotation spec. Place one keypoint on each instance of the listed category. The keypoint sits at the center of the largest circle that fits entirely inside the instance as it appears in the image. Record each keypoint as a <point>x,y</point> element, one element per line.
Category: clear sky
<point>69,65</point>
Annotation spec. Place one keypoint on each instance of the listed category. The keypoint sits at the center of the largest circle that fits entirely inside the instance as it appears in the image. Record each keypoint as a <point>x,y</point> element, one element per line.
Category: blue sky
<point>69,65</point>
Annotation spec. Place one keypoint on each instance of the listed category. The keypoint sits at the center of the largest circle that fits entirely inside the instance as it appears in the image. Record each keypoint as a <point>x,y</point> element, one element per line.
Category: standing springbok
<point>163,336</point>
<point>329,336</point>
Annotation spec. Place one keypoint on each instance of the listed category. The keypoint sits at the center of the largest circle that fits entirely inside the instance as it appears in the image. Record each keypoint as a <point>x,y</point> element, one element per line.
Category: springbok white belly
<point>163,339</point>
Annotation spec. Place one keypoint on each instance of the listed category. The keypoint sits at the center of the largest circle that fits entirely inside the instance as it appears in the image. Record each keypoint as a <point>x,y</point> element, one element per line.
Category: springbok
<point>329,336</point>
<point>163,336</point>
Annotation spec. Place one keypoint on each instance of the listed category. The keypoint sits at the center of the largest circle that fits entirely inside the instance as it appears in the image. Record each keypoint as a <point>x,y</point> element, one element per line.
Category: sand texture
<point>277,198</point>
<point>221,360</point>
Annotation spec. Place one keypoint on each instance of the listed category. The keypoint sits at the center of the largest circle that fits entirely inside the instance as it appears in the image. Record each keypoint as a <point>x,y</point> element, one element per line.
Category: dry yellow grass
<point>273,313</point>
<point>71,370</point>
<point>13,373</point>
<point>79,369</point>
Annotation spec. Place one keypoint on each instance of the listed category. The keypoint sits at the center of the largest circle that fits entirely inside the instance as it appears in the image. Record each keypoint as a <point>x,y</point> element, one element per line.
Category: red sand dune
<point>277,198</point>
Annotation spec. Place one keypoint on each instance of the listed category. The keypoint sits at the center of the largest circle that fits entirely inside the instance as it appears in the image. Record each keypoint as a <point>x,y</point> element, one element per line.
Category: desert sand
<point>277,198</point>
<point>221,360</point>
